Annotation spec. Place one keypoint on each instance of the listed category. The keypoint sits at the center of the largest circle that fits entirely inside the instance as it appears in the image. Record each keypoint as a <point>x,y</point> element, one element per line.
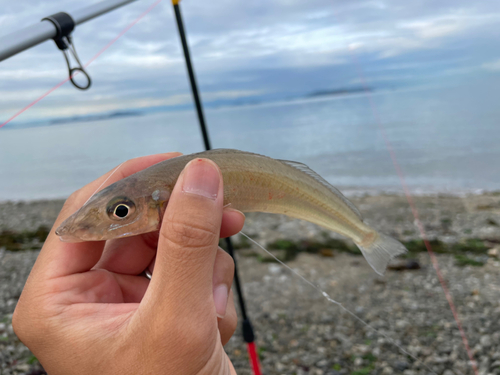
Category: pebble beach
<point>409,328</point>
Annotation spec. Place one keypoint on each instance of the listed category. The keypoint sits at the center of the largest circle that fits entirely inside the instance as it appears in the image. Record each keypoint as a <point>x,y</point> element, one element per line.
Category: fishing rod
<point>38,33</point>
<point>247,329</point>
<point>58,27</point>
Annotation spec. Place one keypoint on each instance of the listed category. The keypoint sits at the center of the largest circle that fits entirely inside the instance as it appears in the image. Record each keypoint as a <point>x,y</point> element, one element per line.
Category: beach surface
<point>297,330</point>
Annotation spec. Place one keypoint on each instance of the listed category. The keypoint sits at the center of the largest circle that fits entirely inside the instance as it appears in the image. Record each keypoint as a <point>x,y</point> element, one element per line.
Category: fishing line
<point>387,143</point>
<point>409,198</point>
<point>339,304</point>
<point>107,178</point>
<point>411,203</point>
<point>415,213</point>
<point>86,65</point>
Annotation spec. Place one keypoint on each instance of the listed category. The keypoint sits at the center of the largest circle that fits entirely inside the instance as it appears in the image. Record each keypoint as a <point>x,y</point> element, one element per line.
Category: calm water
<point>445,141</point>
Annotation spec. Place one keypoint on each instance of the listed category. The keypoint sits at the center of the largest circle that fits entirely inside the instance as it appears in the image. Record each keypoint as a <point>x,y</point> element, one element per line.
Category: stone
<point>401,323</point>
<point>23,367</point>
<point>494,253</point>
<point>485,341</point>
<point>401,366</point>
<point>279,366</point>
<point>322,363</point>
<point>274,269</point>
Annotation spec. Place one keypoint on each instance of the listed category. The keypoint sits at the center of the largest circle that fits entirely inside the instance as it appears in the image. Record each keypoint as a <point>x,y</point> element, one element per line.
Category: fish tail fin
<point>380,251</point>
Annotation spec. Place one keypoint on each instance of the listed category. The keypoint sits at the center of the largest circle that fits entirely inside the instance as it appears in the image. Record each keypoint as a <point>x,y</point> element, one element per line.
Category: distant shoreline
<point>348,191</point>
<point>76,119</point>
<point>450,216</point>
<point>242,102</point>
<point>340,91</point>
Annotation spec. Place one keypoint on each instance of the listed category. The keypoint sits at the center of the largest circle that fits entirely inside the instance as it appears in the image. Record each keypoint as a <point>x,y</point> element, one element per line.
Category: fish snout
<point>62,230</point>
<point>65,232</point>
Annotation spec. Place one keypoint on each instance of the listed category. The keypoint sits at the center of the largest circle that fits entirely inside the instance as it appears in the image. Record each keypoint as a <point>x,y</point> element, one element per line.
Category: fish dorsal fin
<point>308,171</point>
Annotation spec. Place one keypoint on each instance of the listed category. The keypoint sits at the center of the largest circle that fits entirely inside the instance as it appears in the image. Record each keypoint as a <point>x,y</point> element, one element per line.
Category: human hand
<point>86,308</point>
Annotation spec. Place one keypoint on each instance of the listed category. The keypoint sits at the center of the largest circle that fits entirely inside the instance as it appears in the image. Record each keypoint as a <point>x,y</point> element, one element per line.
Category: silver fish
<point>252,182</point>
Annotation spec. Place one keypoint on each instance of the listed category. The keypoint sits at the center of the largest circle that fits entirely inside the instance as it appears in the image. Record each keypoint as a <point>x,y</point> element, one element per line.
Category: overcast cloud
<point>251,50</point>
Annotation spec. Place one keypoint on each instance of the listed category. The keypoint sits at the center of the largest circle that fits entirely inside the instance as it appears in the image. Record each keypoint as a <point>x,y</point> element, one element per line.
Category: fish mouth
<point>65,234</point>
<point>69,238</point>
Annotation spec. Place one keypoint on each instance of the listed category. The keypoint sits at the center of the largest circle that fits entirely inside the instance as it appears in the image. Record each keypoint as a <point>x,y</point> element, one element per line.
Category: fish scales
<point>284,190</point>
<point>252,183</point>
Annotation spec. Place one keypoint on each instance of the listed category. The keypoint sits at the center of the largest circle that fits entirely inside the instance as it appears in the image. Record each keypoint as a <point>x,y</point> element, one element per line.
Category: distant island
<point>341,91</point>
<point>96,117</point>
<point>246,101</point>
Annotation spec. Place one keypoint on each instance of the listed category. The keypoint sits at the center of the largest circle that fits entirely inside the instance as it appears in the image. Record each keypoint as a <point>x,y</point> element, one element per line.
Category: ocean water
<point>446,140</point>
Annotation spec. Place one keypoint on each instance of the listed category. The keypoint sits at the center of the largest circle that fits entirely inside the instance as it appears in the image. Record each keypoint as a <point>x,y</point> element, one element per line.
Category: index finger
<point>61,258</point>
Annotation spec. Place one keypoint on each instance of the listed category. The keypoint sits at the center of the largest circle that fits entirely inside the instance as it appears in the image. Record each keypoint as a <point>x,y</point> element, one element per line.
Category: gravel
<point>298,331</point>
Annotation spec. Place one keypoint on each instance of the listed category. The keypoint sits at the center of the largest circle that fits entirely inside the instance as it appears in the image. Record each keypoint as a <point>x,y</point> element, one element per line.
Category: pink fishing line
<point>389,148</point>
<point>87,64</point>
<point>414,210</point>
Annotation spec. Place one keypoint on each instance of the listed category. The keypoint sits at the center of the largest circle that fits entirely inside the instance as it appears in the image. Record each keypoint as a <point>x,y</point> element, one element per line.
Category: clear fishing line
<point>330,299</point>
<point>101,185</point>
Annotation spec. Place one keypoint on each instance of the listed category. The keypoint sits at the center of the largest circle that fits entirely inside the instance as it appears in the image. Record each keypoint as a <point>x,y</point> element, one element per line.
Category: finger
<point>232,222</point>
<point>133,288</point>
<point>60,259</point>
<point>132,255</point>
<point>129,255</point>
<point>222,280</point>
<point>223,297</point>
<point>181,286</point>
<point>227,325</point>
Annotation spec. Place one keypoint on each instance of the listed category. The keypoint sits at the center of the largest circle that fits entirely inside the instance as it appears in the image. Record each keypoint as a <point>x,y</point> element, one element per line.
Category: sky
<point>251,51</point>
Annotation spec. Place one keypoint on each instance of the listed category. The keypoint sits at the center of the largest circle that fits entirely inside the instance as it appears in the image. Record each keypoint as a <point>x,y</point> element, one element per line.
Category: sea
<point>445,140</point>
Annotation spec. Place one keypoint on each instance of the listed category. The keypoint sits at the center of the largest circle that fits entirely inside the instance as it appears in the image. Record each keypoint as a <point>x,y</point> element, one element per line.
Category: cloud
<point>448,24</point>
<point>492,65</point>
<point>24,74</point>
<point>282,47</point>
<point>428,29</point>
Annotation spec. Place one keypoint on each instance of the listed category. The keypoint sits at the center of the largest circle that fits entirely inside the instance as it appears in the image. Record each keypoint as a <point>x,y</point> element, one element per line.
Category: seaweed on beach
<point>463,260</point>
<point>287,250</point>
<point>25,240</point>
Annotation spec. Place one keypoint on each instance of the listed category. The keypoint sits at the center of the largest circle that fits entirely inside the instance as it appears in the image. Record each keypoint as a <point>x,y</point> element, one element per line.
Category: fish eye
<point>120,209</point>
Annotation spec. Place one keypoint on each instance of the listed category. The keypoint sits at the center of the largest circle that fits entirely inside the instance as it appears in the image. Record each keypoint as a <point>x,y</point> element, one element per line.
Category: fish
<point>252,183</point>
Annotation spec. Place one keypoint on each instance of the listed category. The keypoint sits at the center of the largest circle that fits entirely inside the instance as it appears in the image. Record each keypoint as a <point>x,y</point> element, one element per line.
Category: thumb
<point>181,286</point>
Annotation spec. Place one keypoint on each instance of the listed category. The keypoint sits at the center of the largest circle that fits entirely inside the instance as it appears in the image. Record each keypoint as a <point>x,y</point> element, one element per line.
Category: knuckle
<point>190,234</point>
<point>17,325</point>
<point>22,324</point>
<point>232,323</point>
<point>227,263</point>
<point>224,267</point>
